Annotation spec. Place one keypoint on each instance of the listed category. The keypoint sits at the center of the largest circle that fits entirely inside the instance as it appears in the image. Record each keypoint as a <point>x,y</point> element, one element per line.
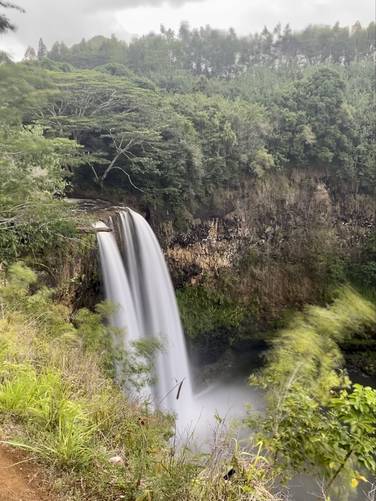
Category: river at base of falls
<point>223,403</point>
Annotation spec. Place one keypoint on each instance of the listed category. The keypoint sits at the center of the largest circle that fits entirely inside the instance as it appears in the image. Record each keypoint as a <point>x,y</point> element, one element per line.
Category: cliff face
<point>250,254</point>
<point>282,242</point>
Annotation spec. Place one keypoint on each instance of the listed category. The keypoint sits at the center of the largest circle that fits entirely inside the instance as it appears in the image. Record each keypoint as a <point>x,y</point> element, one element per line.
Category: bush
<point>316,419</point>
<point>205,310</point>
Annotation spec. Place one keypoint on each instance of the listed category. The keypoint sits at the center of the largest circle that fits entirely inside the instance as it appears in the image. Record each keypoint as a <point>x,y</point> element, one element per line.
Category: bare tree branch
<point>129,178</point>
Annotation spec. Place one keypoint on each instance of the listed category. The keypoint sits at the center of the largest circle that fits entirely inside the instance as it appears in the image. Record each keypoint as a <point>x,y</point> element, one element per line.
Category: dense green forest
<point>172,144</point>
<point>267,140</point>
<point>184,148</point>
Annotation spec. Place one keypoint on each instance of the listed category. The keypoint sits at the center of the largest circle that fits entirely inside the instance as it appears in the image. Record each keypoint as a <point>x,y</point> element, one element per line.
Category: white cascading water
<point>148,308</point>
<point>116,285</point>
<point>118,292</point>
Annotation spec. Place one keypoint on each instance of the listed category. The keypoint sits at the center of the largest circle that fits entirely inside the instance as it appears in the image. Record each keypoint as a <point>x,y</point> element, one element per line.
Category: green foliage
<point>21,277</point>
<point>24,88</point>
<point>173,151</point>
<point>89,326</point>
<point>176,120</point>
<point>316,419</point>
<point>132,139</point>
<point>51,381</point>
<point>253,480</point>
<point>51,65</point>
<point>363,269</point>
<point>58,403</point>
<point>315,127</point>
<point>134,367</point>
<point>231,138</point>
<point>355,409</point>
<point>263,162</point>
<point>205,310</point>
<point>33,220</point>
<point>89,54</point>
<point>215,53</point>
<point>64,426</point>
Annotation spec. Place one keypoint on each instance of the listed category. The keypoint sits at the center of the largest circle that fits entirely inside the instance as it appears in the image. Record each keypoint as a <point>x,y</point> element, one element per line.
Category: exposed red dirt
<point>20,479</point>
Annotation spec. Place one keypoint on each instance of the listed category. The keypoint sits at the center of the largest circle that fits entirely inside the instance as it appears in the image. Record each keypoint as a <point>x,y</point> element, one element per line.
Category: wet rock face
<point>274,238</point>
<point>285,225</point>
<point>214,229</point>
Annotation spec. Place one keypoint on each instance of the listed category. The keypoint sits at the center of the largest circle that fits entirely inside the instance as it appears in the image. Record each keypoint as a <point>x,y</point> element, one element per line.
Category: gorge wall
<point>282,242</point>
<point>249,256</point>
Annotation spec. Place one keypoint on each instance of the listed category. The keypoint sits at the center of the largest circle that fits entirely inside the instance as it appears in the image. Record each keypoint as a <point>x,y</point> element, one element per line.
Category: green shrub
<point>316,419</point>
<point>205,310</point>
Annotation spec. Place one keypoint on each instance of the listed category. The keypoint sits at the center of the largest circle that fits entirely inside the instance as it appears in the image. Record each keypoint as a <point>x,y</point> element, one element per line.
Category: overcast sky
<point>71,20</point>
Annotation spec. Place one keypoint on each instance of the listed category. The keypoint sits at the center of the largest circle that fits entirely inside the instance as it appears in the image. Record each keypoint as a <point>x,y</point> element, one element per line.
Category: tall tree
<point>30,54</point>
<point>42,49</point>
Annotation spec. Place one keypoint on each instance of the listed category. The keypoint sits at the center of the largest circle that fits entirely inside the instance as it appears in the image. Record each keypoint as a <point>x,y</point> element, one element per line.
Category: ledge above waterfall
<point>100,226</point>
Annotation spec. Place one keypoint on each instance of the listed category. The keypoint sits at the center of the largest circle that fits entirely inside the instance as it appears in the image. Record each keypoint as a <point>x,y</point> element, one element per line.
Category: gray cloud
<point>71,20</point>
<point>105,5</point>
<point>300,13</point>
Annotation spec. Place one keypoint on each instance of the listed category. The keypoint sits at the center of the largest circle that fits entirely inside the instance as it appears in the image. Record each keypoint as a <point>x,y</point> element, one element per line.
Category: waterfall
<point>116,286</point>
<point>123,319</point>
<point>142,286</point>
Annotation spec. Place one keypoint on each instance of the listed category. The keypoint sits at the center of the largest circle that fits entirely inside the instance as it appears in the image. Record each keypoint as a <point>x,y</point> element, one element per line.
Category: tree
<point>42,50</point>
<point>97,51</point>
<point>55,52</point>
<point>314,124</point>
<point>4,57</point>
<point>5,24</point>
<point>30,54</point>
<point>140,142</point>
<point>32,176</point>
<point>322,97</point>
<point>24,88</point>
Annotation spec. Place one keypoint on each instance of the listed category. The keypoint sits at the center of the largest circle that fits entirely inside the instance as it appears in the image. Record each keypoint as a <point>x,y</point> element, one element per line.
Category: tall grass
<point>59,403</point>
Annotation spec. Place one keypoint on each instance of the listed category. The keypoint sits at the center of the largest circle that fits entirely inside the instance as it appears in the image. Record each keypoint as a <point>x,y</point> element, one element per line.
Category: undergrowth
<point>317,421</point>
<point>59,402</point>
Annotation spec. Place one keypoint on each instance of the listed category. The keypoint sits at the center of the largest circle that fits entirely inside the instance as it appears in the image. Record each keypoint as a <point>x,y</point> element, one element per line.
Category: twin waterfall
<point>138,284</point>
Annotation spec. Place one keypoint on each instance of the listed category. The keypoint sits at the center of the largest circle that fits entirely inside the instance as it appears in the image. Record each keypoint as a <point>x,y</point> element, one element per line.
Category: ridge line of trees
<point>217,53</point>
